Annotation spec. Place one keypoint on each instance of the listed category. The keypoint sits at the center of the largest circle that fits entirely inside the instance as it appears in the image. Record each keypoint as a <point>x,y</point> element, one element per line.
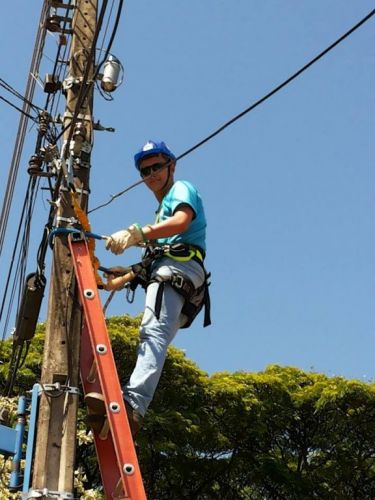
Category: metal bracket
<point>61,5</point>
<point>69,220</point>
<point>45,492</point>
<point>69,171</point>
<point>99,126</point>
<point>78,190</point>
<point>69,82</point>
<point>59,387</point>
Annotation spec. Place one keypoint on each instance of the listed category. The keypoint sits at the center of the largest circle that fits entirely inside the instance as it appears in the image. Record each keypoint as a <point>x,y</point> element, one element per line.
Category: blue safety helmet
<point>153,148</point>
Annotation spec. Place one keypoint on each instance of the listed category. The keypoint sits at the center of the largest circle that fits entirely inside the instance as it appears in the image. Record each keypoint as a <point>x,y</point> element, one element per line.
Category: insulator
<point>53,24</point>
<point>50,152</point>
<point>30,307</point>
<point>35,165</point>
<point>79,132</point>
<point>111,73</point>
<point>44,120</point>
<point>79,137</point>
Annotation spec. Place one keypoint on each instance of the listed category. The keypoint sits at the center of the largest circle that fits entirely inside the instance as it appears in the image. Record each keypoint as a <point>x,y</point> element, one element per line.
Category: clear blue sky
<point>288,189</point>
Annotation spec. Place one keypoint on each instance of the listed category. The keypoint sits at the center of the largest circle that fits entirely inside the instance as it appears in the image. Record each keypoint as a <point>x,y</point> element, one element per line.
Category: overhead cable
<point>254,105</point>
<point>17,151</point>
<point>56,71</point>
<point>85,86</point>
<point>13,91</point>
<point>279,87</point>
<point>22,111</point>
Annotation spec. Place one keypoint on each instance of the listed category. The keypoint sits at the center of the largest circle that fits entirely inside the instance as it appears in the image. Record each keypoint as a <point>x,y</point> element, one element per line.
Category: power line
<point>18,109</point>
<point>17,152</point>
<point>13,91</point>
<point>254,105</point>
<point>279,87</point>
<point>85,85</point>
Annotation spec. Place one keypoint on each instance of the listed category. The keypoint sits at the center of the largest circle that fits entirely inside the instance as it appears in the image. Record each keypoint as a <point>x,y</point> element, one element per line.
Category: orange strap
<point>84,221</point>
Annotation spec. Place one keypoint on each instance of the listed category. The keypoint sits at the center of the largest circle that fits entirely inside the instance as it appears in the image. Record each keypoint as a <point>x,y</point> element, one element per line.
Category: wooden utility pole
<point>53,471</point>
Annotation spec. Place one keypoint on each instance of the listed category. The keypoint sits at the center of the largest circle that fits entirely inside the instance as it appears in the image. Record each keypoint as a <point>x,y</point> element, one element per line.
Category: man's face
<point>155,177</point>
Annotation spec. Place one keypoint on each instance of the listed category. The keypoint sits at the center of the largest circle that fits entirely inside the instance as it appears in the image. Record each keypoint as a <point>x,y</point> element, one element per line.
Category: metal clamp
<point>78,190</point>
<point>45,492</point>
<point>69,82</point>
<point>59,4</point>
<point>69,220</point>
<point>59,387</point>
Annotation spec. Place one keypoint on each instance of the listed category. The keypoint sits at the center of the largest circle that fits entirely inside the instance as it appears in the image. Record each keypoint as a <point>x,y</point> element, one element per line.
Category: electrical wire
<point>113,35</point>
<point>252,106</point>
<point>33,118</point>
<point>6,86</point>
<point>18,270</point>
<point>17,152</point>
<point>107,25</point>
<point>13,91</point>
<point>85,86</point>
<point>57,70</point>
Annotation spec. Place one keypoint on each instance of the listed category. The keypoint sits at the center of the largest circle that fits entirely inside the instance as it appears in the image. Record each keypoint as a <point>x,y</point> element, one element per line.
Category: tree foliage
<point>279,434</point>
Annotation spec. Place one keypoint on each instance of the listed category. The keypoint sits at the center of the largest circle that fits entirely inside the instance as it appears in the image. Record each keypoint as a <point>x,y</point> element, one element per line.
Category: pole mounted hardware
<point>53,24</point>
<point>51,84</point>
<point>28,313</point>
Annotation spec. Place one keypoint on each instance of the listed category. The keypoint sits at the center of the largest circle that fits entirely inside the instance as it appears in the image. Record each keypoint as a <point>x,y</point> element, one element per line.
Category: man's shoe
<point>96,417</point>
<point>134,419</point>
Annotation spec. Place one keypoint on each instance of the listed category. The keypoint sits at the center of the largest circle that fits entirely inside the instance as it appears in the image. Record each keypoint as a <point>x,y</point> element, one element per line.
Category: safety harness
<point>194,298</point>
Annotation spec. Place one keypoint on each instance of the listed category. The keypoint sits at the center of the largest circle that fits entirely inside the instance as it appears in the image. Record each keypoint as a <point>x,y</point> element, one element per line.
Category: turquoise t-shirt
<point>184,193</point>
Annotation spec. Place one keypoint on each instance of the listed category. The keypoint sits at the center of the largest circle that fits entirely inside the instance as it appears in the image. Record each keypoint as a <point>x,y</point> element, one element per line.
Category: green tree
<point>279,434</point>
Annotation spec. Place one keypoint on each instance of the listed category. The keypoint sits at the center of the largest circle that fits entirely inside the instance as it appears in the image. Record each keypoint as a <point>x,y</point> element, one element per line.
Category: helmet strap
<point>168,163</point>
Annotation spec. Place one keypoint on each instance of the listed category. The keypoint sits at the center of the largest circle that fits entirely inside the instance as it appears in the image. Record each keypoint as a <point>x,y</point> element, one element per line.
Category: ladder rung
<point>91,377</point>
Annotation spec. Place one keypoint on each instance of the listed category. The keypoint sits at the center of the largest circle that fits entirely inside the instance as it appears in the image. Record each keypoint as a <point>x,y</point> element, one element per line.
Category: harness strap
<point>159,298</point>
<point>185,287</point>
<point>178,281</point>
<point>207,307</point>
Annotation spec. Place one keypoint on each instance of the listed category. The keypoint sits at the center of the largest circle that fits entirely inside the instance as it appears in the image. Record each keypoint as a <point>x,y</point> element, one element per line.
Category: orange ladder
<point>114,444</point>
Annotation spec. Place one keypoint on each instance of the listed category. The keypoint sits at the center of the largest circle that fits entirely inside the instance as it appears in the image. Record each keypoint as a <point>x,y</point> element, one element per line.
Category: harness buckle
<point>178,281</point>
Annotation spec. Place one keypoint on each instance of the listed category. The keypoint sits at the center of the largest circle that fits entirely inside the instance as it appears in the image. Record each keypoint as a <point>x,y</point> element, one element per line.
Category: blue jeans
<point>157,334</point>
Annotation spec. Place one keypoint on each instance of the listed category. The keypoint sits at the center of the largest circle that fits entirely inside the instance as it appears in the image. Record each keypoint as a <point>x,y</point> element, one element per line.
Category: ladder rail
<point>96,348</point>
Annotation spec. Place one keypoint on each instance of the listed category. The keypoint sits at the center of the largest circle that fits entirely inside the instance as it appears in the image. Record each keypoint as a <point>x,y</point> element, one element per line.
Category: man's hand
<point>120,241</point>
<point>116,270</point>
<point>117,280</point>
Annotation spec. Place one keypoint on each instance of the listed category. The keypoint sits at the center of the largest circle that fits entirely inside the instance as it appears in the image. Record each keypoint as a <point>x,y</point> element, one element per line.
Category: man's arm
<point>177,224</point>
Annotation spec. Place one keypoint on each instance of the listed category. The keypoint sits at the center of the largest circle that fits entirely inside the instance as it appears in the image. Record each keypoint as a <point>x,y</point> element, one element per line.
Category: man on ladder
<point>176,281</point>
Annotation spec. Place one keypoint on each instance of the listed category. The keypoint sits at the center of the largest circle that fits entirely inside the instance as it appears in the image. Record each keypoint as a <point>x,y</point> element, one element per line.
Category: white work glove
<point>120,241</point>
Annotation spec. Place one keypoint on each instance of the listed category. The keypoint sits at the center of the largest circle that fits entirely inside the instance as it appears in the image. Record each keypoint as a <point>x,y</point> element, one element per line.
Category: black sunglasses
<point>155,167</point>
